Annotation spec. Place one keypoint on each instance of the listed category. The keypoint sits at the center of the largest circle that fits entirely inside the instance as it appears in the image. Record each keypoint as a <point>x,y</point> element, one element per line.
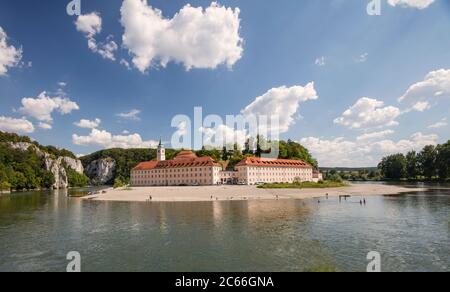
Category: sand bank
<point>236,193</point>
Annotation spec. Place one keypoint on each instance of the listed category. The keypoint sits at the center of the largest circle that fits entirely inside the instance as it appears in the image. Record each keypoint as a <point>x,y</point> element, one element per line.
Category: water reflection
<point>411,231</point>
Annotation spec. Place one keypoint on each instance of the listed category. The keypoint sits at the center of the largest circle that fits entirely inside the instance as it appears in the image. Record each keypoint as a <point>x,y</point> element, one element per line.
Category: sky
<point>349,86</point>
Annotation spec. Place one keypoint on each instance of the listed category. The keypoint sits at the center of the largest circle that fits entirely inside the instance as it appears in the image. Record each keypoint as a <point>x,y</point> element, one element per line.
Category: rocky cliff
<point>55,165</point>
<point>101,171</point>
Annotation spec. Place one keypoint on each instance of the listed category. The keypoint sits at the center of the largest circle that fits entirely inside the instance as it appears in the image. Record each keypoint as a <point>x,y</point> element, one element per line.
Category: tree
<point>393,166</point>
<point>443,161</point>
<point>48,180</point>
<point>427,161</point>
<point>412,165</point>
<point>118,183</point>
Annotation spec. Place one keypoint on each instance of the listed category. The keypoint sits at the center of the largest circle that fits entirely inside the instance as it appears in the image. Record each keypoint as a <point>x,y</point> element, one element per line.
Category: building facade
<point>186,169</point>
<point>254,170</point>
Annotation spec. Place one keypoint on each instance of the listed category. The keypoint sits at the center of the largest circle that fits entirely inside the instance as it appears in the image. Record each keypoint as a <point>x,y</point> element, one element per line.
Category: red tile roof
<point>266,162</point>
<point>183,159</point>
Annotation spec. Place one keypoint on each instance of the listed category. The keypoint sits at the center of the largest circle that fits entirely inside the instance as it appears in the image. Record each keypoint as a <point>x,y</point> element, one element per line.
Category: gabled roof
<point>183,159</point>
<point>266,162</point>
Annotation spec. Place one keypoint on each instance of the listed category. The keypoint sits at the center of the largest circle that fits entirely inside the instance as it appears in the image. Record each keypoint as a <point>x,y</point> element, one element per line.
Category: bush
<point>76,179</point>
<point>5,186</point>
<point>118,183</point>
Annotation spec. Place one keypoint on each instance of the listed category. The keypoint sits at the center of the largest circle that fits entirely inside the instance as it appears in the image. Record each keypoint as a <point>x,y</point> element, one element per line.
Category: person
<point>150,198</point>
<point>360,202</point>
<point>364,201</point>
<point>327,196</point>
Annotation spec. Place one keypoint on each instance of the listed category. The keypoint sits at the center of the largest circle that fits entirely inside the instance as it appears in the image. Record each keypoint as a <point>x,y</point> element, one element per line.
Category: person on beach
<point>364,201</point>
<point>150,198</point>
<point>327,196</point>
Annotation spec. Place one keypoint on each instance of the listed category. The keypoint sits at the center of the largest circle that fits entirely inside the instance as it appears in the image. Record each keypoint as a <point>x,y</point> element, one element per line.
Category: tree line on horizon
<point>431,163</point>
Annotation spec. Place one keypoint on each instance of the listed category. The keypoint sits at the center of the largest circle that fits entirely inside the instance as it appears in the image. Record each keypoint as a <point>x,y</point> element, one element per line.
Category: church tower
<point>161,152</point>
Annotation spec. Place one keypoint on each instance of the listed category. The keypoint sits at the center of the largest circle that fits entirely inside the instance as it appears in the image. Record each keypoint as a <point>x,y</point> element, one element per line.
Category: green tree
<point>393,166</point>
<point>412,165</point>
<point>427,161</point>
<point>443,161</point>
<point>118,183</point>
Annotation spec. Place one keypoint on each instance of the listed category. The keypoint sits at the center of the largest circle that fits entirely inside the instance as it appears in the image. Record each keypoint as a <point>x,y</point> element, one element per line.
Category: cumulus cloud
<point>441,124</point>
<point>435,85</point>
<point>45,126</point>
<point>132,115</point>
<point>283,102</point>
<point>375,135</point>
<point>104,139</point>
<point>91,25</point>
<point>369,113</point>
<point>420,4</point>
<point>42,107</point>
<point>9,55</point>
<point>87,124</point>
<point>20,126</point>
<point>195,37</point>
<point>223,135</point>
<point>340,152</point>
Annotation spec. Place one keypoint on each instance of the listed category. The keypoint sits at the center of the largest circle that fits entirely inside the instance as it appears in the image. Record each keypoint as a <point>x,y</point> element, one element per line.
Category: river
<point>411,232</point>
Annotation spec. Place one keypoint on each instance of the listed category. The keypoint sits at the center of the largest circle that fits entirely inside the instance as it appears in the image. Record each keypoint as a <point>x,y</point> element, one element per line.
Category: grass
<point>305,185</point>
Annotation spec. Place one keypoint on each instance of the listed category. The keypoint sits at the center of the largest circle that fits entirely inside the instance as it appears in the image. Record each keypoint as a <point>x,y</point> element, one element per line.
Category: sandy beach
<point>238,193</point>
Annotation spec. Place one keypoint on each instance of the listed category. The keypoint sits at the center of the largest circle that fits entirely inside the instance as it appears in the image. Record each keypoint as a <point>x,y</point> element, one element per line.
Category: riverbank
<point>240,193</point>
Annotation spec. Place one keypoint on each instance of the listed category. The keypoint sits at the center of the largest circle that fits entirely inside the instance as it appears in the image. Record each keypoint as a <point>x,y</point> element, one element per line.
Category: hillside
<point>25,164</point>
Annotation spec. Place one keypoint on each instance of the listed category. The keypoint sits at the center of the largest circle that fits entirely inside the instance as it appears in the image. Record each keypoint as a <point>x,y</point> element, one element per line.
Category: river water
<point>411,232</point>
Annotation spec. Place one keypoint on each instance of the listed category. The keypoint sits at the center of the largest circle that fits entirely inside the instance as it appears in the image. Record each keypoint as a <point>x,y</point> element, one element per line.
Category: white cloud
<point>340,152</point>
<point>441,124</point>
<point>362,58</point>
<point>9,55</point>
<point>283,102</point>
<point>87,124</point>
<point>195,37</point>
<point>435,85</point>
<point>223,135</point>
<point>421,106</point>
<point>320,61</point>
<point>369,113</point>
<point>105,139</point>
<point>420,4</point>
<point>12,125</point>
<point>91,25</point>
<point>43,106</point>
<point>374,135</point>
<point>125,63</point>
<point>132,115</point>
<point>45,126</point>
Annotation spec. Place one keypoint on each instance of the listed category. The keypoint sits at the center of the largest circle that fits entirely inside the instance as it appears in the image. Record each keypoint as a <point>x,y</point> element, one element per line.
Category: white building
<point>254,170</point>
<point>189,170</point>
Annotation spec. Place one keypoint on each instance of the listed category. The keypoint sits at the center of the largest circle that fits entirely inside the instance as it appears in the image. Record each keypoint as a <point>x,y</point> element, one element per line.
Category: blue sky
<point>359,64</point>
